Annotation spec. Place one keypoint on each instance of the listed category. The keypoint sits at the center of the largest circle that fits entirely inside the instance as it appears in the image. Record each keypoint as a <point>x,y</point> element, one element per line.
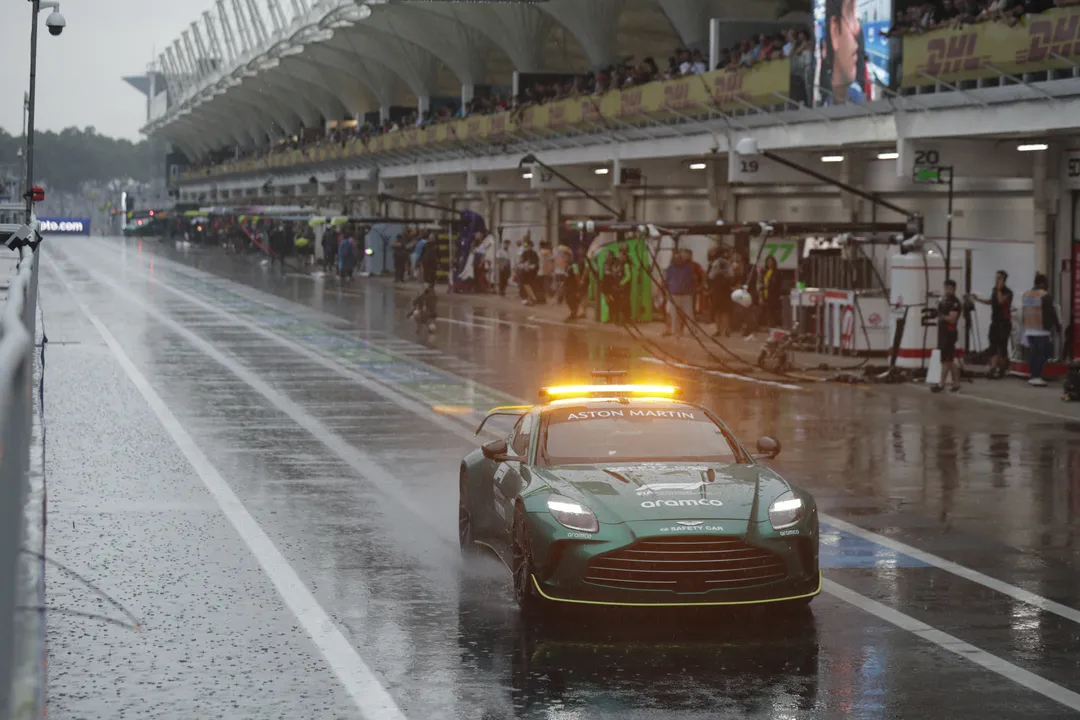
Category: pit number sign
<point>758,170</point>
<point>1072,169</point>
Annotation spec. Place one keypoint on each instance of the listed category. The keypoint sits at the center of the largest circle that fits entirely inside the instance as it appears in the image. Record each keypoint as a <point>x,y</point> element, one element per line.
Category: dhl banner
<point>1042,42</point>
<point>725,90</point>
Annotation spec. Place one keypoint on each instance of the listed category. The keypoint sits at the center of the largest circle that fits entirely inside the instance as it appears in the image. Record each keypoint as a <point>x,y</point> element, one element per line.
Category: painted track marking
<point>937,561</point>
<point>360,682</point>
<point>943,640</point>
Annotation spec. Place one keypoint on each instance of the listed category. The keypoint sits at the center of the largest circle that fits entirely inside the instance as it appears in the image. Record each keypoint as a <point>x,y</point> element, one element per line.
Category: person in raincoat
<point>302,244</point>
<point>347,255</point>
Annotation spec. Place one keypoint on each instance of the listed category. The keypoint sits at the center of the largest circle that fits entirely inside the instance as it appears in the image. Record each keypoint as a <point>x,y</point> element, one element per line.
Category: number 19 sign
<point>758,170</point>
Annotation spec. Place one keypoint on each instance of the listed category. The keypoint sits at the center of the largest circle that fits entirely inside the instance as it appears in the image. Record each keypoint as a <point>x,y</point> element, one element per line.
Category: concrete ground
<point>262,470</point>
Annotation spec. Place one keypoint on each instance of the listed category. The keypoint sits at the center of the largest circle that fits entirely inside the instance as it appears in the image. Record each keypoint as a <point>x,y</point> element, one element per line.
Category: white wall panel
<point>673,210</point>
<point>790,208</point>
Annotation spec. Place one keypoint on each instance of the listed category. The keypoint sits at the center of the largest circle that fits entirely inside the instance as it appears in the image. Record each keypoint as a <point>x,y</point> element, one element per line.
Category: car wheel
<point>524,592</point>
<point>465,528</point>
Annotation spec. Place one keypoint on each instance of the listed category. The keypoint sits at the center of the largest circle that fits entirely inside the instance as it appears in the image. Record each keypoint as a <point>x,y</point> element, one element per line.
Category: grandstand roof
<point>251,70</point>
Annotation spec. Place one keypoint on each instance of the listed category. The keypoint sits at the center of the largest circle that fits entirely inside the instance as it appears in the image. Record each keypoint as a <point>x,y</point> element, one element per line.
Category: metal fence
<point>21,542</point>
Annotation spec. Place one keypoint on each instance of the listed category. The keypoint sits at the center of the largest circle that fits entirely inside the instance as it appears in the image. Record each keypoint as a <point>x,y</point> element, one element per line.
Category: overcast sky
<point>80,73</point>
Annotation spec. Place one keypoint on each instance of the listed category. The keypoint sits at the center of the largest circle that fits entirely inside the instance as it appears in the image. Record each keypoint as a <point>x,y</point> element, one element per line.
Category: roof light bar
<point>587,390</point>
<point>1032,147</point>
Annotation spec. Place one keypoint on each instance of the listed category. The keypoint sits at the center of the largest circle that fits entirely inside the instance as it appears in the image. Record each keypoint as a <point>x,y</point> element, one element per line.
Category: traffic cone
<point>933,373</point>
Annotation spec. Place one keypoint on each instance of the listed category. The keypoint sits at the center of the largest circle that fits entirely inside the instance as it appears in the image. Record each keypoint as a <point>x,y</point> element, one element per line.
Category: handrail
<point>21,646</point>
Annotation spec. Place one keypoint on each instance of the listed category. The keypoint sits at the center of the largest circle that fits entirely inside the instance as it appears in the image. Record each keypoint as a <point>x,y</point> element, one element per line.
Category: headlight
<point>785,511</point>
<point>572,515</point>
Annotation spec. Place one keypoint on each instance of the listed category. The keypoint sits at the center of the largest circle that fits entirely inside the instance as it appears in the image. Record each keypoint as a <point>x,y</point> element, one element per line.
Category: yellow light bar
<point>586,390</point>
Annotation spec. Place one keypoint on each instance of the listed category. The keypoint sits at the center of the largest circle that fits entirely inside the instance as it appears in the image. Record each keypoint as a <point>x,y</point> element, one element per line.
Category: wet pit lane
<point>263,469</point>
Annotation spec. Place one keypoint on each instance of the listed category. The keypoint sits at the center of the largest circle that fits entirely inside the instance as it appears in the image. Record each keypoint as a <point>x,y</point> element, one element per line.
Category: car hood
<point>660,491</point>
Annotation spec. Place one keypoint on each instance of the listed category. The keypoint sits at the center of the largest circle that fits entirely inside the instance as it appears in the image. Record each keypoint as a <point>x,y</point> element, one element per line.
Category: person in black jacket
<point>948,312</point>
<point>1000,302</point>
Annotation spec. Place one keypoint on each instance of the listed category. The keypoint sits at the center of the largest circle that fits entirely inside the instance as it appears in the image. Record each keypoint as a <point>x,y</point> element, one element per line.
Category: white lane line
<point>730,376</point>
<point>959,570</point>
<point>993,663</point>
<point>363,463</point>
<point>472,325</point>
<point>457,426</point>
<point>881,611</point>
<point>1023,408</point>
<point>360,682</point>
<point>508,323</point>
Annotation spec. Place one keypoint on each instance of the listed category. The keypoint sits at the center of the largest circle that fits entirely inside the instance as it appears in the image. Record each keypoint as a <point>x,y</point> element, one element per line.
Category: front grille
<point>686,564</point>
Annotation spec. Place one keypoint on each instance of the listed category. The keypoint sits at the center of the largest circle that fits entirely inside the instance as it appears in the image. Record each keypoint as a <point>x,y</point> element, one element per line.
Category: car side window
<point>522,436</point>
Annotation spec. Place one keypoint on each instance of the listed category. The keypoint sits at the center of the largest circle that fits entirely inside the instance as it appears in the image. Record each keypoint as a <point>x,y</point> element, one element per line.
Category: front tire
<point>528,600</point>
<point>465,527</point>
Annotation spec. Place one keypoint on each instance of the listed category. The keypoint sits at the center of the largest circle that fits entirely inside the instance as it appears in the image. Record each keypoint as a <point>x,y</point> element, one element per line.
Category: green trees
<point>67,159</point>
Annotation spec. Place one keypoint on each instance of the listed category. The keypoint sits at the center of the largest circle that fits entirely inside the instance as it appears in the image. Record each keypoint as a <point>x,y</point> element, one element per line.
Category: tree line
<point>65,160</point>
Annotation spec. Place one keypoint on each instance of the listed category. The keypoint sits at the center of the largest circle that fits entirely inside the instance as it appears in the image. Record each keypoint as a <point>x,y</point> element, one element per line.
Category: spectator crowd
<point>913,18</point>
<point>794,43</point>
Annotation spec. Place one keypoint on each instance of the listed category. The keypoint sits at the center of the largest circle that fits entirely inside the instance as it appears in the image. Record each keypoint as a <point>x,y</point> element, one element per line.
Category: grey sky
<point>79,73</point>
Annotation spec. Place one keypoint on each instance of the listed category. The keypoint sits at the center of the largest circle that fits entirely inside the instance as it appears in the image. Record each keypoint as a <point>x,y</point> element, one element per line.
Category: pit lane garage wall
<point>994,210</point>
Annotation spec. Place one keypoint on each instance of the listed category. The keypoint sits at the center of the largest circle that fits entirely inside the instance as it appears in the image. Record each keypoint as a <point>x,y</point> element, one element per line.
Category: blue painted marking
<point>840,549</point>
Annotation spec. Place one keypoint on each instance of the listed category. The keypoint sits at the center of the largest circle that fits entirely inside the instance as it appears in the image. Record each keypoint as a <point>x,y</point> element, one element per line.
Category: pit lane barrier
<point>22,633</point>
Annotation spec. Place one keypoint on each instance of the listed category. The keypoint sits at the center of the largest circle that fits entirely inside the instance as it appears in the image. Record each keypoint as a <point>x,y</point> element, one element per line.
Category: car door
<point>509,477</point>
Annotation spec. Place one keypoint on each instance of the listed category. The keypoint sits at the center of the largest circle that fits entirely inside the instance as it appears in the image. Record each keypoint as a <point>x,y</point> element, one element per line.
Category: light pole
<point>56,24</point>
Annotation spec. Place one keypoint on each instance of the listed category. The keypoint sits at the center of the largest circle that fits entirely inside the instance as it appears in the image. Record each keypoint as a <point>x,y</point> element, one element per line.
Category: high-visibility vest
<point>1032,309</point>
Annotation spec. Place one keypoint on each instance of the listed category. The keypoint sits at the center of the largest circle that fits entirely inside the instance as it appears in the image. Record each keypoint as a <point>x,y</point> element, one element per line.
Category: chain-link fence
<point>22,643</point>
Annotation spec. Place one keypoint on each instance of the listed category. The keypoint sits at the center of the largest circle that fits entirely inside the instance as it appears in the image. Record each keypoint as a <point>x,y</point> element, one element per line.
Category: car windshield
<point>587,435</point>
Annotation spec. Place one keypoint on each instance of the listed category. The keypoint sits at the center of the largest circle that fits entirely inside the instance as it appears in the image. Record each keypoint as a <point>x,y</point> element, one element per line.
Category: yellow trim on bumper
<point>689,604</point>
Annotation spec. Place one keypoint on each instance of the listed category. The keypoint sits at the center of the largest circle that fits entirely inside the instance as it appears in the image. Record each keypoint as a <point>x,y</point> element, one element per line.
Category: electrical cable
<point>690,322</point>
<point>687,321</point>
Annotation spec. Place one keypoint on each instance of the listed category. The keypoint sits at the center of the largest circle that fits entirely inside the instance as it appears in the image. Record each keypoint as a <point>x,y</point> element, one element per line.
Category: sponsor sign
<point>723,90</point>
<point>65,226</point>
<point>681,503</point>
<point>986,50</point>
<point>785,252</point>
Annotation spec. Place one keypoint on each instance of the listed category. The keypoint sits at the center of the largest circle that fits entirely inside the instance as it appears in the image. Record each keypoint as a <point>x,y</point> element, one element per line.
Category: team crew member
<point>949,310</point>
<point>1040,319</point>
<point>1000,302</point>
<point>616,285</point>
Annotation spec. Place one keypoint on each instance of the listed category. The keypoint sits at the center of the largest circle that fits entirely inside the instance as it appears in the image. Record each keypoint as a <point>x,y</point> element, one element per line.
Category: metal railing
<point>21,586</point>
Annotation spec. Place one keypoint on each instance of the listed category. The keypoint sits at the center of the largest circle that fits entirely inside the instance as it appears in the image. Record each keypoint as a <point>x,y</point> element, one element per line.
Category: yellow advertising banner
<point>1042,42</point>
<point>725,90</point>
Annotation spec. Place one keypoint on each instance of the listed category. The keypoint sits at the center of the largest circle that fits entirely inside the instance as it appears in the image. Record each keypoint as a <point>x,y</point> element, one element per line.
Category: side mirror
<point>497,451</point>
<point>768,447</point>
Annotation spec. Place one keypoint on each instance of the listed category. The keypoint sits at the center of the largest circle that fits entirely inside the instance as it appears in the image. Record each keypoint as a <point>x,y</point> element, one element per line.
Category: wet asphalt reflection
<point>994,490</point>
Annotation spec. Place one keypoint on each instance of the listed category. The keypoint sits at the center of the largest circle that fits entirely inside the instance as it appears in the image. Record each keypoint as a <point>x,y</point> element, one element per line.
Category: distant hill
<point>67,159</point>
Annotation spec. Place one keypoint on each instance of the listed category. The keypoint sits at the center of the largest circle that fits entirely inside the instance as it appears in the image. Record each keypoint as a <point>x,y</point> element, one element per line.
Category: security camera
<point>56,23</point>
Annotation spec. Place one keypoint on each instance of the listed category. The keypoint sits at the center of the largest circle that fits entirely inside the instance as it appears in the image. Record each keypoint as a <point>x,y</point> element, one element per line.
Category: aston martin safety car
<point>625,495</point>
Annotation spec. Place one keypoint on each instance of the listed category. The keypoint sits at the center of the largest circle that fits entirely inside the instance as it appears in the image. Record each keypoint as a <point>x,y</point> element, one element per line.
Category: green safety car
<point>624,495</point>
